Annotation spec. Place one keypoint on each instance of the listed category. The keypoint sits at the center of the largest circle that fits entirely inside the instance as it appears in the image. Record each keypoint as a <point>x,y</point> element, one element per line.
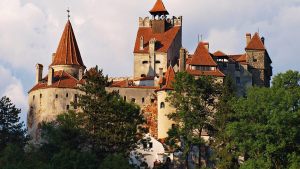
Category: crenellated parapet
<point>144,22</point>
<point>148,23</point>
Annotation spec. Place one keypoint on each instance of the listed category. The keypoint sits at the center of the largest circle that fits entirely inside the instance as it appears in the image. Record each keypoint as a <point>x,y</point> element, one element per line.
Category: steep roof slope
<point>68,52</point>
<point>202,57</point>
<point>256,43</point>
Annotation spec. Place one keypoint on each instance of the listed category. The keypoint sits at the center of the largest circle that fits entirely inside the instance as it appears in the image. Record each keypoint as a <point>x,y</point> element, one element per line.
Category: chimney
<point>142,43</point>
<point>53,56</point>
<point>206,44</point>
<point>80,74</point>
<point>248,38</point>
<point>182,60</point>
<point>39,73</point>
<point>263,40</point>
<point>50,76</point>
<point>152,45</point>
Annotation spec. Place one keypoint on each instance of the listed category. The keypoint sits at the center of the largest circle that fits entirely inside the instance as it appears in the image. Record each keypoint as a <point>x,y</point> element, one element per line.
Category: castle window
<point>143,100</point>
<point>143,75</point>
<point>157,62</point>
<point>150,144</point>
<point>75,101</point>
<point>162,105</point>
<point>133,100</point>
<point>254,60</point>
<point>238,80</point>
<point>67,95</point>
<point>33,97</point>
<point>56,96</point>
<point>41,95</point>
<point>145,62</point>
<point>237,67</point>
<point>124,98</point>
<point>152,100</point>
<point>68,107</point>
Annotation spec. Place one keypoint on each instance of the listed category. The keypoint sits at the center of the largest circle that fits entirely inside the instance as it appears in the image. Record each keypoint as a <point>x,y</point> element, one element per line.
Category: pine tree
<point>111,122</point>
<point>11,129</point>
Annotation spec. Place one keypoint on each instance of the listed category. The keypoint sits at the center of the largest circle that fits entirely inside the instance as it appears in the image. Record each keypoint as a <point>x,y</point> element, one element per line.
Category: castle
<point>158,55</point>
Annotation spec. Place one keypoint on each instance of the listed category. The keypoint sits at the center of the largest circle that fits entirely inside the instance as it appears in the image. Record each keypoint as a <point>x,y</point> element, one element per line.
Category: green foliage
<point>115,161</point>
<point>193,100</point>
<point>288,80</point>
<point>266,125</point>
<point>11,129</point>
<point>111,123</point>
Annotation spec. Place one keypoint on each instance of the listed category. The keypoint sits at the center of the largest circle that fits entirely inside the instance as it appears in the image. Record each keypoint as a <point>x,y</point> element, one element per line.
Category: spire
<point>67,52</point>
<point>256,43</point>
<point>159,9</point>
<point>202,57</point>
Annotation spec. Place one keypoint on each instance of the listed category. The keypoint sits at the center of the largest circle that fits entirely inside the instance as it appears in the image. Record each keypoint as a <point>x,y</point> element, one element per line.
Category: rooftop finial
<point>68,10</point>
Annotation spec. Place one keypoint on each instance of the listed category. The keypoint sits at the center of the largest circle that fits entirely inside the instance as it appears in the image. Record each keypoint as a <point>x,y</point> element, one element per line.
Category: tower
<point>53,94</point>
<point>258,60</point>
<point>158,42</point>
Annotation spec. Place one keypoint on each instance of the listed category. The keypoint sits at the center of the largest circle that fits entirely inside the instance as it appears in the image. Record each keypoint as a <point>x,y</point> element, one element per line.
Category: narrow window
<point>33,97</point>
<point>143,100</point>
<point>150,145</point>
<point>56,96</point>
<point>75,101</point>
<point>238,80</point>
<point>67,95</point>
<point>133,100</point>
<point>157,62</point>
<point>41,95</point>
<point>145,62</point>
<point>162,105</point>
<point>68,107</point>
<point>152,100</point>
<point>124,98</point>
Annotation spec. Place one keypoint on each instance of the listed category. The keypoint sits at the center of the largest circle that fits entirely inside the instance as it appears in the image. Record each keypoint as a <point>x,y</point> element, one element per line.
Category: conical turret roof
<point>159,9</point>
<point>67,52</point>
<point>256,43</point>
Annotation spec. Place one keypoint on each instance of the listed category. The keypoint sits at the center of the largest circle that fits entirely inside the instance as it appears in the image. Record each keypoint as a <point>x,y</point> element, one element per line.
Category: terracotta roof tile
<point>170,77</point>
<point>163,40</point>
<point>61,79</point>
<point>68,52</point>
<point>202,57</point>
<point>216,73</point>
<point>219,54</point>
<point>256,43</point>
<point>159,8</point>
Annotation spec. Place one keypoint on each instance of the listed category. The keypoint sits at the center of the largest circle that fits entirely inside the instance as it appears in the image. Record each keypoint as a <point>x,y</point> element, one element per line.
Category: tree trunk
<point>199,158</point>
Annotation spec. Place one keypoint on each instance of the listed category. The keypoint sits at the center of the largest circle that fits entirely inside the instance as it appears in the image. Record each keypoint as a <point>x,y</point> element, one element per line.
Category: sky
<point>105,30</point>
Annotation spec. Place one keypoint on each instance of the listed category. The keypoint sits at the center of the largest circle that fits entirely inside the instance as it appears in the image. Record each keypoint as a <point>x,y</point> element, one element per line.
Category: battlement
<point>147,22</point>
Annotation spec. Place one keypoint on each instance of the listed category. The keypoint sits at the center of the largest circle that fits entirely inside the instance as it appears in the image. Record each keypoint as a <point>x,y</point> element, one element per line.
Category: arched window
<point>162,105</point>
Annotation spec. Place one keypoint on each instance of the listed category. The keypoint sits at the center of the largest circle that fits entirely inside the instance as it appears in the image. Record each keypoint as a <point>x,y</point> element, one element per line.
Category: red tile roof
<point>239,57</point>
<point>159,8</point>
<point>219,54</point>
<point>216,73</point>
<point>67,52</point>
<point>202,57</point>
<point>256,43</point>
<point>170,77</point>
<point>163,40</point>
<point>61,79</point>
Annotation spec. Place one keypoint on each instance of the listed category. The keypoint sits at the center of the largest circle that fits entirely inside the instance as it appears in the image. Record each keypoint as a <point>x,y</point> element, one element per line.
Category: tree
<point>11,129</point>
<point>223,154</point>
<point>193,100</point>
<point>115,161</point>
<point>266,129</point>
<point>111,123</point>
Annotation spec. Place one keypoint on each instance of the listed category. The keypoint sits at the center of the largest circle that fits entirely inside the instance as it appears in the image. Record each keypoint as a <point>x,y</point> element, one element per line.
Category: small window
<point>41,95</point>
<point>68,107</point>
<point>254,60</point>
<point>150,145</point>
<point>162,105</point>
<point>145,62</point>
<point>152,100</point>
<point>67,95</point>
<point>238,80</point>
<point>143,100</point>
<point>143,75</point>
<point>237,67</point>
<point>133,100</point>
<point>75,101</point>
<point>157,62</point>
<point>33,97</point>
<point>124,98</point>
<point>56,96</point>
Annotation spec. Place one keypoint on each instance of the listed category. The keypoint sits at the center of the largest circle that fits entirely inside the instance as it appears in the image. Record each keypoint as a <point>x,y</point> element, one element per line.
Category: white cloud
<point>11,87</point>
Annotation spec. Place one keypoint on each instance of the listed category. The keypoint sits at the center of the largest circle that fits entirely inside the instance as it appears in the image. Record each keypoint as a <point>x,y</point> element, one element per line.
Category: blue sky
<point>106,30</point>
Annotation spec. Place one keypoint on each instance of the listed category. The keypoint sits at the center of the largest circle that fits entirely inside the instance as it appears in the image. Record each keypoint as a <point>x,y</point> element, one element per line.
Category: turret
<point>39,73</point>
